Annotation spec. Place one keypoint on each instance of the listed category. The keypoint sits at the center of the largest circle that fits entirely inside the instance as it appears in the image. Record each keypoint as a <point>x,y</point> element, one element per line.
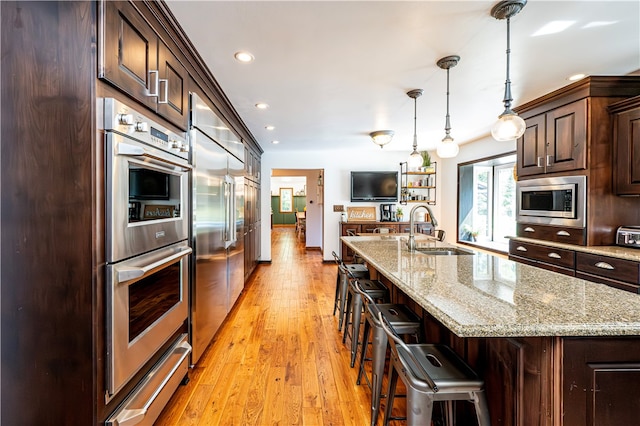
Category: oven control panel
<point>123,119</point>
<point>628,236</point>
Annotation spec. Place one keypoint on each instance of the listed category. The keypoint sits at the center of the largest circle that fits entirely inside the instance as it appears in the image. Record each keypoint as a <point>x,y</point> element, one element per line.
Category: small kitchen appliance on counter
<point>388,213</point>
<point>628,236</point>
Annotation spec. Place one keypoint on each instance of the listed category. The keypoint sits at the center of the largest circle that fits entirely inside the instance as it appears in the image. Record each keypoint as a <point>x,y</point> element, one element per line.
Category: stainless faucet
<point>411,244</point>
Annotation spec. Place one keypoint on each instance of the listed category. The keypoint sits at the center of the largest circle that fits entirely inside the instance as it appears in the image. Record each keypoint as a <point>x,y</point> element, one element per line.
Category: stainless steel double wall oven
<point>147,175</point>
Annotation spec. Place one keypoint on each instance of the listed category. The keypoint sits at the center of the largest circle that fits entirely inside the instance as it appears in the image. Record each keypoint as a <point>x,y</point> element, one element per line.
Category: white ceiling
<point>334,71</point>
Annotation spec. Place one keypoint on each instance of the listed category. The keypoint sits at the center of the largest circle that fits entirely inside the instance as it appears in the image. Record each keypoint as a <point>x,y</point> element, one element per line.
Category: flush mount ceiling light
<point>382,137</point>
<point>275,142</point>
<point>269,127</point>
<point>262,105</point>
<point>509,125</point>
<point>448,148</point>
<point>243,57</point>
<point>415,159</point>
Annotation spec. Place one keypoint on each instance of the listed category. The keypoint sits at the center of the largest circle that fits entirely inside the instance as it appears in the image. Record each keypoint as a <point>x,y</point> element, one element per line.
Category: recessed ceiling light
<point>262,105</point>
<point>576,77</point>
<point>554,27</point>
<point>269,127</point>
<point>275,142</point>
<point>244,57</point>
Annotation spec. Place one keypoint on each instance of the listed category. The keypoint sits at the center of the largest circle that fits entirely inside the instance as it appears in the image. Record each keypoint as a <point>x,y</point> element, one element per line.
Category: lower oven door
<point>147,302</point>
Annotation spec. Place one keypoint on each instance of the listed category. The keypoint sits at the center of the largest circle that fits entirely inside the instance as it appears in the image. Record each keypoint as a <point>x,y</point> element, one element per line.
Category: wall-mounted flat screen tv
<point>374,186</point>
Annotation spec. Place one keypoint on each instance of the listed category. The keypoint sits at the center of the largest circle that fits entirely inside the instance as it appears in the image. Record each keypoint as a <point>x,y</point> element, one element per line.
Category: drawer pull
<point>520,248</point>
<point>604,265</point>
<point>529,229</point>
<point>554,255</point>
<point>563,234</point>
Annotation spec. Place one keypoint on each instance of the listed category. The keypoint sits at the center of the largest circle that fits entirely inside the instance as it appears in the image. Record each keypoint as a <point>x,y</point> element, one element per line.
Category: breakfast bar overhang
<point>552,349</point>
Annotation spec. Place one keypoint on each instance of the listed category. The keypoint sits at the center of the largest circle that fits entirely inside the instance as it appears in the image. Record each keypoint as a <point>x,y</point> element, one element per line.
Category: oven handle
<point>129,273</point>
<point>138,151</point>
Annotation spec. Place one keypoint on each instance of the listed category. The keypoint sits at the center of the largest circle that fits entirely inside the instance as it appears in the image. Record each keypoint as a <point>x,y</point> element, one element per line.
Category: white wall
<point>298,183</point>
<point>337,166</point>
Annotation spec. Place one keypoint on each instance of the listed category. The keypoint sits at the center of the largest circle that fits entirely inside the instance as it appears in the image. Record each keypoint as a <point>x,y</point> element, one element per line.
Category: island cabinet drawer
<point>620,273</point>
<point>545,254</point>
<point>559,234</point>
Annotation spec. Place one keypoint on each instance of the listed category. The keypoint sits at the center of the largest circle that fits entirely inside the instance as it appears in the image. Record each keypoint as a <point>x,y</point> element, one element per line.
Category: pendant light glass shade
<point>509,126</point>
<point>415,159</point>
<point>447,148</point>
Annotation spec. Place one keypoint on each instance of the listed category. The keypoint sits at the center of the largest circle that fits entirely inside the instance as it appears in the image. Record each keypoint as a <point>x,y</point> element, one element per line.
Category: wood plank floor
<point>278,359</point>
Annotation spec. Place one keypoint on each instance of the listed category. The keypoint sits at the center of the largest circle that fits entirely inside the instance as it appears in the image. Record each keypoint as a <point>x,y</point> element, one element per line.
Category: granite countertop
<point>484,295</point>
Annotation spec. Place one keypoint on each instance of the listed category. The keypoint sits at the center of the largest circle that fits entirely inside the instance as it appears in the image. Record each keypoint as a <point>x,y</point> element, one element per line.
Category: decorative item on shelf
<point>382,137</point>
<point>415,159</point>
<point>448,148</point>
<point>399,214</point>
<point>426,161</point>
<point>509,126</point>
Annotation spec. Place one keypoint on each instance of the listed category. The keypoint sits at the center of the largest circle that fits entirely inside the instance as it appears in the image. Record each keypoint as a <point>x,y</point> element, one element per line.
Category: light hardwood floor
<point>278,359</point>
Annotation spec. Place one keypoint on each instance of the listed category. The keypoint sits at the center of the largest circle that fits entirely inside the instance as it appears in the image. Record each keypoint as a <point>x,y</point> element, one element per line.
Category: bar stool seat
<point>404,322</point>
<point>358,270</point>
<point>431,372</point>
<point>353,311</point>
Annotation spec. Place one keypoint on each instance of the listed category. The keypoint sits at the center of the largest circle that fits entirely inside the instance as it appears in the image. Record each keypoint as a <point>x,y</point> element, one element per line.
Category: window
<point>486,202</point>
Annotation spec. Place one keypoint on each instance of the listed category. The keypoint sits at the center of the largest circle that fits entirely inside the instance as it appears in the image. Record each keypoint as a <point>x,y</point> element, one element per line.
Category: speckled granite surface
<point>483,295</point>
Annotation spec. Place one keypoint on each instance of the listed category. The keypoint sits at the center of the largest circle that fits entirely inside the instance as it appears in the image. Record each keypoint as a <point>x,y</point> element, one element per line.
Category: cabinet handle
<point>604,265</point>
<point>540,162</point>
<point>156,84</point>
<point>554,255</point>
<point>529,229</point>
<point>520,248</point>
<point>549,157</point>
<point>166,91</point>
<point>563,234</point>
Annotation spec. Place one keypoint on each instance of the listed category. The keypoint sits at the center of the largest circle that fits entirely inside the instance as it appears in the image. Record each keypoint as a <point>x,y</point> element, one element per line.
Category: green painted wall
<point>299,202</point>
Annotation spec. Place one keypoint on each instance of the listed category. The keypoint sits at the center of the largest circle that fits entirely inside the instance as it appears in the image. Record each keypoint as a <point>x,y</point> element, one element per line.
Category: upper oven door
<point>147,192</point>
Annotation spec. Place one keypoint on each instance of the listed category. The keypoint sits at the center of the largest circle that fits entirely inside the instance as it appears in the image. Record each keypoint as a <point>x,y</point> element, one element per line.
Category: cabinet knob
<point>604,265</point>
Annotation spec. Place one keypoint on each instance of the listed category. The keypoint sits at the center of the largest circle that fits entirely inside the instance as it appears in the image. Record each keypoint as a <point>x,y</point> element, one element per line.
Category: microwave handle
<point>129,273</point>
<point>137,151</point>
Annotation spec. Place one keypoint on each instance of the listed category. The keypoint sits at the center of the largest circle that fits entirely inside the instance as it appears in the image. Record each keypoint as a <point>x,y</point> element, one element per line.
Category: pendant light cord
<point>415,115</point>
<point>447,124</point>
<point>507,84</point>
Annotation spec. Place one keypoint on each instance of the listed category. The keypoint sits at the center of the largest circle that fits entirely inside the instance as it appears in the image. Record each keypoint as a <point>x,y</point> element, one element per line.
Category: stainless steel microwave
<point>552,201</point>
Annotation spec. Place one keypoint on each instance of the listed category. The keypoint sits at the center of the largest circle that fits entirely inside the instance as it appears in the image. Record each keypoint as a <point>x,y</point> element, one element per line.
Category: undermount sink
<point>444,251</point>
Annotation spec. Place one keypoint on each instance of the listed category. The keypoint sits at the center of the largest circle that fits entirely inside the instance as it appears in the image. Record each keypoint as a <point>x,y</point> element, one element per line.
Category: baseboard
<point>264,262</point>
<point>313,248</point>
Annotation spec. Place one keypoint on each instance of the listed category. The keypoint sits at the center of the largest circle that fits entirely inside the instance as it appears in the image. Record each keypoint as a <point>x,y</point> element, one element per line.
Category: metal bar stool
<point>404,321</point>
<point>377,291</point>
<point>431,373</point>
<point>358,270</point>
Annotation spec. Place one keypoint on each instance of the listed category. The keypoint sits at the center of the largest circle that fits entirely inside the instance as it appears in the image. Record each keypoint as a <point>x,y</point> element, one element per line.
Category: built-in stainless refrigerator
<point>217,200</point>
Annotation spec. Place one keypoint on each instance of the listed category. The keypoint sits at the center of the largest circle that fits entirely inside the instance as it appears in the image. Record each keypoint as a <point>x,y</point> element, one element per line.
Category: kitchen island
<point>553,349</point>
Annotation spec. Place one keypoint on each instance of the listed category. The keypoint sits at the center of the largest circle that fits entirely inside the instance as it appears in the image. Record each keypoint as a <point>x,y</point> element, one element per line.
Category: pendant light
<point>509,125</point>
<point>415,159</point>
<point>448,148</point>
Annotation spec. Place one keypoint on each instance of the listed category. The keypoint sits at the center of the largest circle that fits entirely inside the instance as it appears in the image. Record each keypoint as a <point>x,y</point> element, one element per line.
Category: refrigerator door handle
<point>229,212</point>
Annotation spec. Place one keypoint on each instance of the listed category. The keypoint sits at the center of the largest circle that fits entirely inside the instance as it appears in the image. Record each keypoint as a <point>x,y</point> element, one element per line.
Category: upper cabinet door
<point>626,166</point>
<point>567,137</point>
<point>173,100</point>
<point>531,147</point>
<point>128,57</point>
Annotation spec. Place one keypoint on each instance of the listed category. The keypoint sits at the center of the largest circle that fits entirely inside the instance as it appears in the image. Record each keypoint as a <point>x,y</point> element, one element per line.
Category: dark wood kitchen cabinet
<point>626,141</point>
<point>134,58</point>
<point>555,141</point>
<point>546,257</point>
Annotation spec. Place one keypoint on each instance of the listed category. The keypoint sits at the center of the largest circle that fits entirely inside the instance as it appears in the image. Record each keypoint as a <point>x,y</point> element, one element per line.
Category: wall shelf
<point>418,186</point>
